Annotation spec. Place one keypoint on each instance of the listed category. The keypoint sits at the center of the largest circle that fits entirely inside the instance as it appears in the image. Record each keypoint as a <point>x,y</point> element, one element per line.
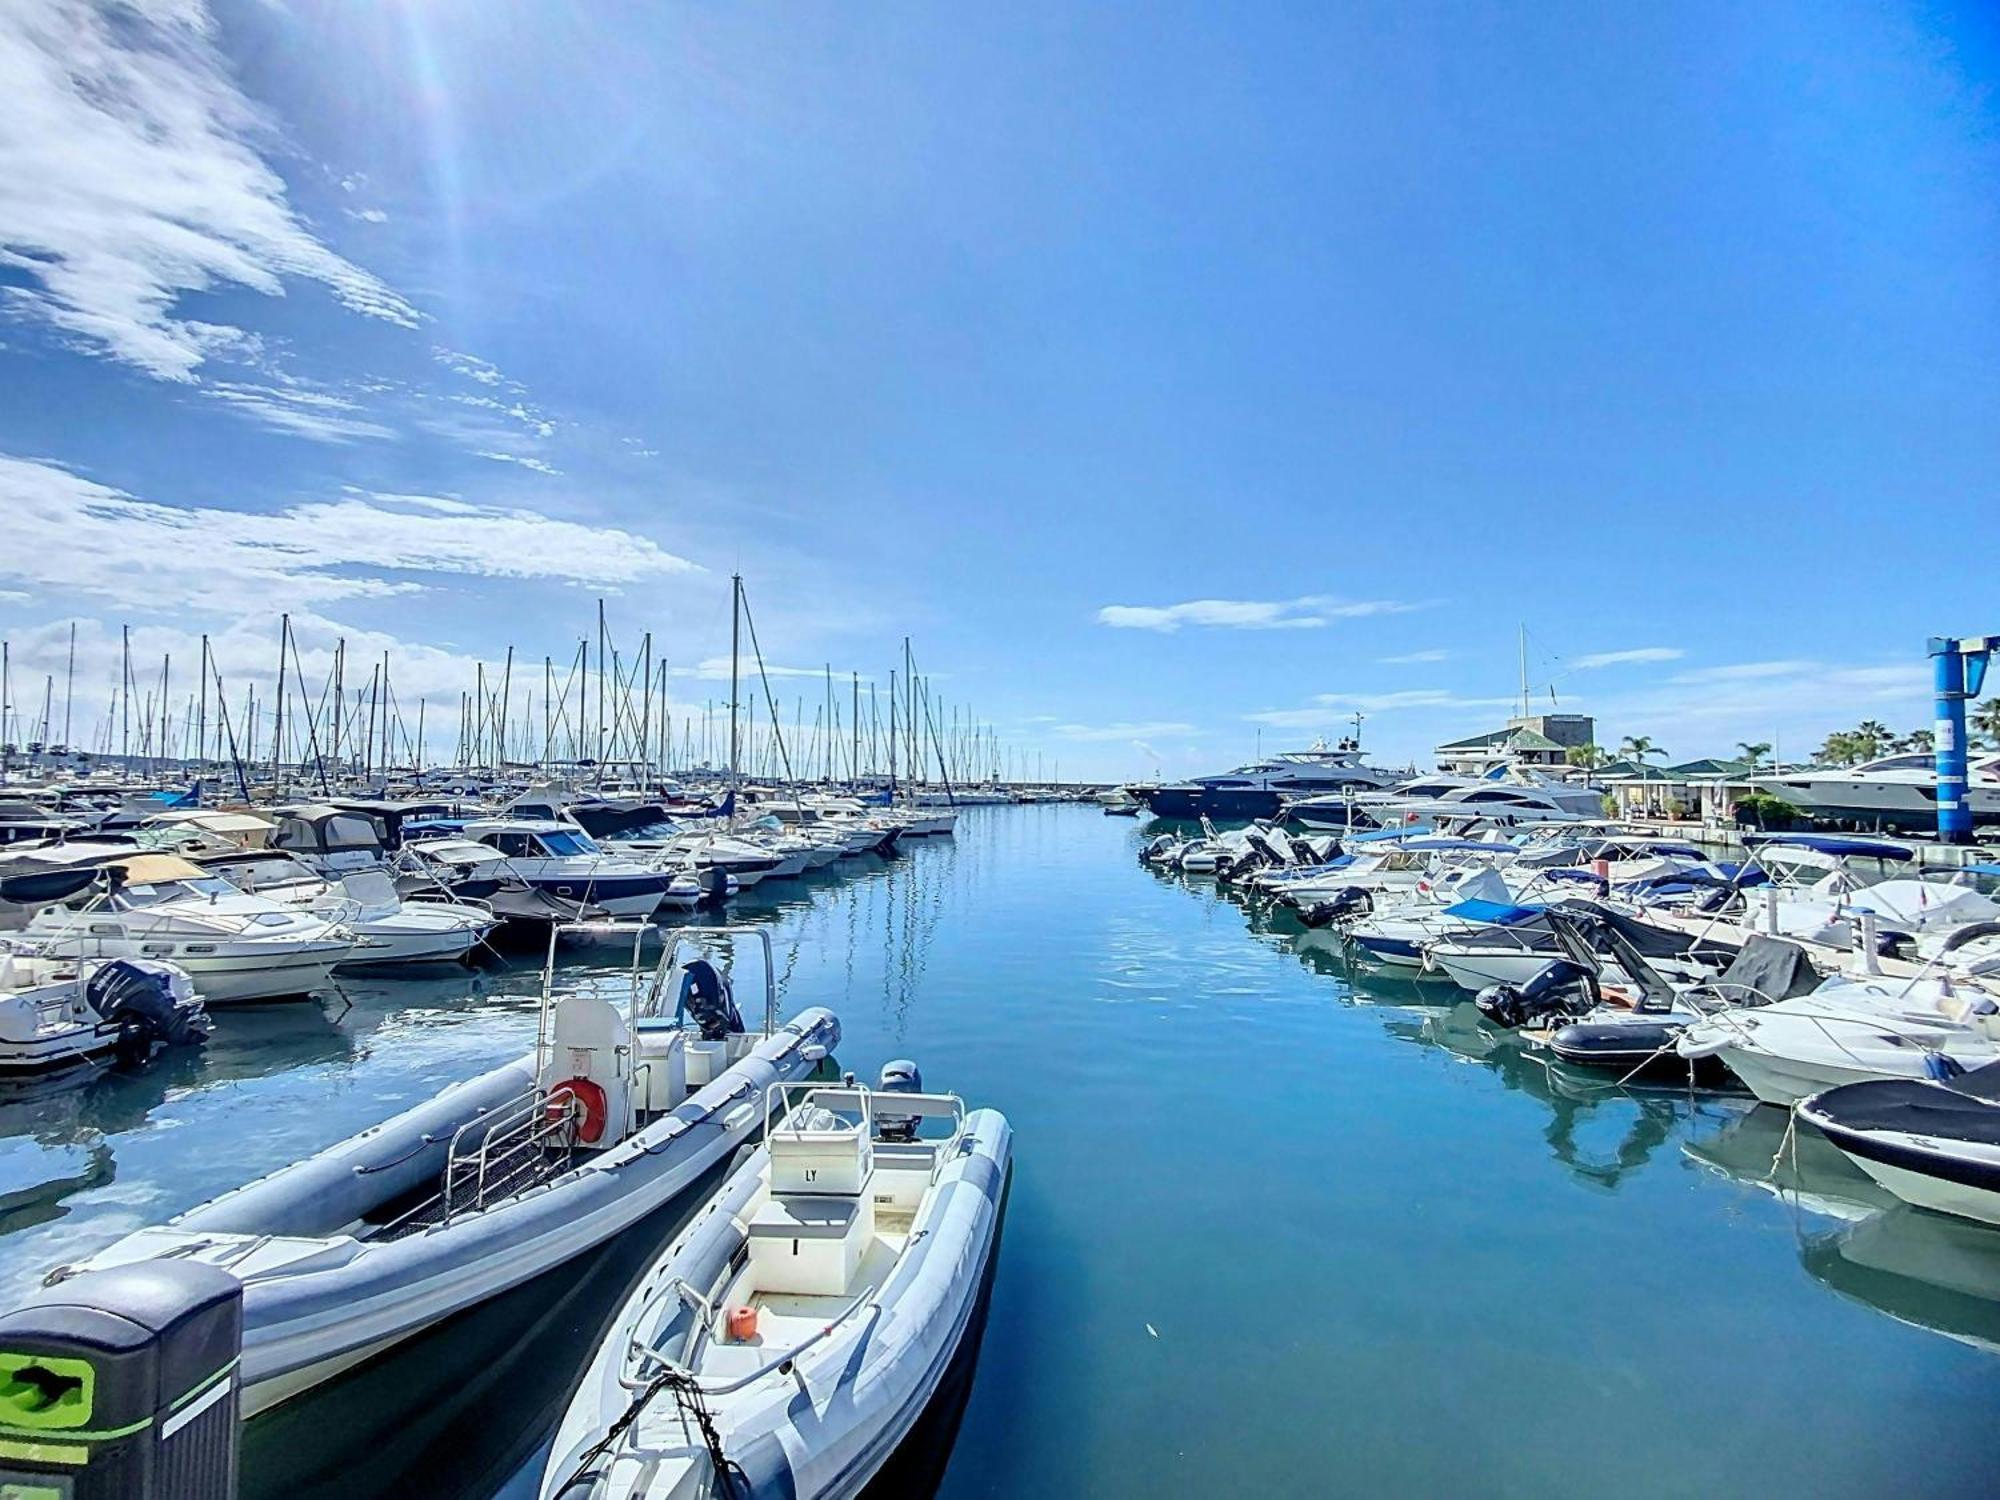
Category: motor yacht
<point>1260,789</point>
<point>236,946</point>
<point>1893,791</point>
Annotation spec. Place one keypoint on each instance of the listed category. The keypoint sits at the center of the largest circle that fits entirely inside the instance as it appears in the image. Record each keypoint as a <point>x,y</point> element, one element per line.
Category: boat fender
<point>581,1101</point>
<point>742,1325</point>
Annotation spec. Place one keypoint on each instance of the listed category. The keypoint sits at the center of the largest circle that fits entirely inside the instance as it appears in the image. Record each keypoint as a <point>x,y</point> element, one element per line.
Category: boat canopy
<point>321,829</point>
<point>1840,845</point>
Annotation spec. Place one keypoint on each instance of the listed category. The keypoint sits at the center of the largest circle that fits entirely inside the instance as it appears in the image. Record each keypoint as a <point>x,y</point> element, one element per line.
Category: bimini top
<point>1840,845</point>
<point>32,882</point>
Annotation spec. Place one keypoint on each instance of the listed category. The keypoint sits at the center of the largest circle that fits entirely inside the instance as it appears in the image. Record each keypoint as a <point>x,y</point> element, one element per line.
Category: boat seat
<point>809,1244</point>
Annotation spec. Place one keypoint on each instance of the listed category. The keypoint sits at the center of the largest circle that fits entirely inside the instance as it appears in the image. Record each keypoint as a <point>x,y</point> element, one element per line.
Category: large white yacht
<point>1519,796</point>
<point>1895,789</point>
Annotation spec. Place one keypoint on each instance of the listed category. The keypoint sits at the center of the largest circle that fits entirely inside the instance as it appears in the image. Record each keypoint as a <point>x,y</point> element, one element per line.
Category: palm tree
<point>1638,747</point>
<point>1872,738</point>
<point>1920,739</point>
<point>1754,751</point>
<point>1841,748</point>
<point>1585,757</point>
<point>1986,720</point>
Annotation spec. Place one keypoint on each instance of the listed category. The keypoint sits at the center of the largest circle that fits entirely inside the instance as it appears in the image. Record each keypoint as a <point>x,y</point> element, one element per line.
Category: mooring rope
<point>688,1398</point>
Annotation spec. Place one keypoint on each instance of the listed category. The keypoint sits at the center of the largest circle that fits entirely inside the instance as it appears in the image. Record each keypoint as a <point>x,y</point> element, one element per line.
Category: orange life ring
<point>579,1096</point>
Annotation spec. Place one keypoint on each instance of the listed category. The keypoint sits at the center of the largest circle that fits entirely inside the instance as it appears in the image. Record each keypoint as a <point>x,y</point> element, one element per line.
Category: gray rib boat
<point>616,1111</point>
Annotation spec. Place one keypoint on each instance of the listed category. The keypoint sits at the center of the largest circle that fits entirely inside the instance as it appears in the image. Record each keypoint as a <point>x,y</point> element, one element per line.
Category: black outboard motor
<point>706,996</point>
<point>898,1077</point>
<point>138,998</point>
<point>714,885</point>
<point>1563,987</point>
<point>1349,905</point>
<point>124,1384</point>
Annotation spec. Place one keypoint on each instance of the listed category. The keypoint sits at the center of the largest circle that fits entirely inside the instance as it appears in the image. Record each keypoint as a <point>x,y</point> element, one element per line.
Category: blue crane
<point>1959,669</point>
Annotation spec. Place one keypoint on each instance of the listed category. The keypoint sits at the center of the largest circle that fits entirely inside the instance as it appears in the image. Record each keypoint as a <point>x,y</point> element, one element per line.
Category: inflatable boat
<point>617,1110</point>
<point>791,1336</point>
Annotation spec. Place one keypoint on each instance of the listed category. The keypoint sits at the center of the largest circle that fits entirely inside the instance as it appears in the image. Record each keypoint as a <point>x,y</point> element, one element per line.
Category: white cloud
<point>297,409</point>
<point>368,215</point>
<point>1307,613</point>
<point>716,669</point>
<point>470,366</point>
<point>1151,729</point>
<point>129,178</point>
<point>70,533</point>
<point>525,460</point>
<point>1331,708</point>
<point>1630,657</point>
<point>1414,658</point>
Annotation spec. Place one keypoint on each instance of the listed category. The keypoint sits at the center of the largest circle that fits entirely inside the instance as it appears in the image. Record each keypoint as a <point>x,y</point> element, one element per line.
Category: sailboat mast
<point>735,648</point>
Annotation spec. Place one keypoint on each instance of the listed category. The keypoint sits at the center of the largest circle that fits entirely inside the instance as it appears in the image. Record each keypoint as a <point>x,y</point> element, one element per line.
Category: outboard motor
<point>138,998</point>
<point>1349,905</point>
<point>714,885</point>
<point>1564,987</point>
<point>706,997</point>
<point>898,1077</point>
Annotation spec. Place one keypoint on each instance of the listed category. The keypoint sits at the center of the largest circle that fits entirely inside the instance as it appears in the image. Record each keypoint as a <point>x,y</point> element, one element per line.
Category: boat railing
<point>775,1363</point>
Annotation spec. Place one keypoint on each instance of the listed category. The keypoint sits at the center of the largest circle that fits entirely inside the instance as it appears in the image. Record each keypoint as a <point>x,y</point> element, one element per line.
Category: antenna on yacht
<point>1358,717</point>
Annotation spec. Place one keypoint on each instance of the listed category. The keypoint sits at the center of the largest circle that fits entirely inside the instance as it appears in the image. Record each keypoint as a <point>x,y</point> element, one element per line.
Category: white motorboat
<point>1851,1029</point>
<point>236,946</point>
<point>1933,1142</point>
<point>563,860</point>
<point>1897,791</point>
<point>793,1333</point>
<point>388,929</point>
<point>617,1110</point>
<point>56,1013</point>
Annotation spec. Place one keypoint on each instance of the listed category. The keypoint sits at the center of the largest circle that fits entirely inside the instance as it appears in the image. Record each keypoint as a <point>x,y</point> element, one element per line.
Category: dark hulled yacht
<point>1256,790</point>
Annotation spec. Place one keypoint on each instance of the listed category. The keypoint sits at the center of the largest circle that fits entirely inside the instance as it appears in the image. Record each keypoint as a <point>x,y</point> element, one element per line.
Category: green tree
<point>1920,739</point>
<point>1638,747</point>
<point>1587,757</point>
<point>1872,738</point>
<point>1841,748</point>
<point>1754,751</point>
<point>1985,720</point>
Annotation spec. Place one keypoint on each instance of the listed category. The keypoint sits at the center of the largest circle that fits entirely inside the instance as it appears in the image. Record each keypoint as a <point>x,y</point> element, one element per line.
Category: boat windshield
<point>161,892</point>
<point>562,843</point>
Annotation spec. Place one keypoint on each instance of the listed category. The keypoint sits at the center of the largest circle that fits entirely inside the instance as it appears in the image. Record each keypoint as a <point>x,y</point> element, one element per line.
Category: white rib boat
<point>791,1336</point>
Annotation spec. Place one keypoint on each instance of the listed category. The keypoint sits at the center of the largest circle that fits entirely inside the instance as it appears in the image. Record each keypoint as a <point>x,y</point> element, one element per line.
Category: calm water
<point>1273,1230</point>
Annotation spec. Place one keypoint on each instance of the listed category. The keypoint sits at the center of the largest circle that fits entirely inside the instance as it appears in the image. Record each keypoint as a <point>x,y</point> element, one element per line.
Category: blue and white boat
<point>563,860</point>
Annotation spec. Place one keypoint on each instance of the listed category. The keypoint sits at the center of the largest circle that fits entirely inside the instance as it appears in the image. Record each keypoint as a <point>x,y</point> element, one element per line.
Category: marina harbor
<point>906,752</point>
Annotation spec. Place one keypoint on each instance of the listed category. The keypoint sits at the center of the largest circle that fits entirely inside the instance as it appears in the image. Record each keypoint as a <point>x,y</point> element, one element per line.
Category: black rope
<point>688,1397</point>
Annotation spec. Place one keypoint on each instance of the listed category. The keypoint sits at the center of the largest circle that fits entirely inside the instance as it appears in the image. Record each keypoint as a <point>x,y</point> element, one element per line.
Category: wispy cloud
<point>716,669</point>
<point>1631,657</point>
<point>1307,613</point>
<point>71,533</point>
<point>1414,658</point>
<point>525,460</point>
<point>1150,729</point>
<point>1330,708</point>
<point>132,178</point>
<point>294,408</point>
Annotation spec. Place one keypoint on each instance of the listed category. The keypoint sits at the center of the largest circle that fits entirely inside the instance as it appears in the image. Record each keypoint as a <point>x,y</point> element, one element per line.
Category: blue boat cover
<point>1835,844</point>
<point>1496,913</point>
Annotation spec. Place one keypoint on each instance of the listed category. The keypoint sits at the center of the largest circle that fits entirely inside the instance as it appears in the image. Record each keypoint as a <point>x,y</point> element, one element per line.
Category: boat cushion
<point>796,1217</point>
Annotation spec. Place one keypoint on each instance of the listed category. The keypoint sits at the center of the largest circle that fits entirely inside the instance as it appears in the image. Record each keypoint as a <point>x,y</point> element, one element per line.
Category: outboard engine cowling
<point>707,1000</point>
<point>1349,905</point>
<point>899,1077</point>
<point>1561,988</point>
<point>139,998</point>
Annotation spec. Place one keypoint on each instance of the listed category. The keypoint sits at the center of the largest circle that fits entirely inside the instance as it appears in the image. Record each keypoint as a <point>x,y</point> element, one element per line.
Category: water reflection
<point>1759,1148</point>
<point>1923,1269</point>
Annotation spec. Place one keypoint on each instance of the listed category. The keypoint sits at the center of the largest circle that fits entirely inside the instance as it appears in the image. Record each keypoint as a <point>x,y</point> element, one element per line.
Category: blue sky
<point>1175,375</point>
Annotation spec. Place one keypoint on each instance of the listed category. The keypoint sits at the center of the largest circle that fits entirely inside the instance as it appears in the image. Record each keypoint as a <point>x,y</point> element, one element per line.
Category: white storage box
<point>839,1159</point>
<point>663,1067</point>
<point>809,1245</point>
<point>706,1062</point>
